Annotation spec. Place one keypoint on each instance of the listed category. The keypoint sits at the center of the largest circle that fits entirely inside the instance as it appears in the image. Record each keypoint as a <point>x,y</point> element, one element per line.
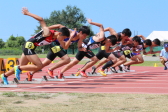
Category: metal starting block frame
<point>108,72</point>
<point>94,74</point>
<point>8,86</point>
<point>15,81</point>
<point>52,79</point>
<point>72,76</point>
<point>130,70</point>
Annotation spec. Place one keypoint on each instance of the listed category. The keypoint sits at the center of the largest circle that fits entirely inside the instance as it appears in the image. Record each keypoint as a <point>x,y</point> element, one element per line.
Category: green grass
<point>85,102</point>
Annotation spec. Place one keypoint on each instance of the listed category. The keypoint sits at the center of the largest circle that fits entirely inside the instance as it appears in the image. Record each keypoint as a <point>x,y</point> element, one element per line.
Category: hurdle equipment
<point>94,74</point>
<point>72,76</point>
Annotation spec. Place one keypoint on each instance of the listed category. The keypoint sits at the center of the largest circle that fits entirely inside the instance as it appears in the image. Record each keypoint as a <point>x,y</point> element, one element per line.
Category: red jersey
<point>39,40</point>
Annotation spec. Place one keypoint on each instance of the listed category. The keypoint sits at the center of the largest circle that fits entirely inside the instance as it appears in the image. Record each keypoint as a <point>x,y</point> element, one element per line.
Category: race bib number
<point>29,45</point>
<point>56,49</point>
<point>102,47</point>
<point>126,52</point>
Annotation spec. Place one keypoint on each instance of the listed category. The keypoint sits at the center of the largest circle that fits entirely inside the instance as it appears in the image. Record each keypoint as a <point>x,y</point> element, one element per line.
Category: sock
<point>5,76</point>
<point>108,64</point>
<point>19,68</point>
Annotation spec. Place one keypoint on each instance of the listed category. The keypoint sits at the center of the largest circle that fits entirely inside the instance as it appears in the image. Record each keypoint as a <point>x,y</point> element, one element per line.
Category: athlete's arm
<point>108,50</point>
<point>80,48</point>
<point>143,38</point>
<point>101,32</point>
<point>65,45</point>
<point>46,31</point>
<point>56,26</point>
<point>38,18</point>
<point>111,30</point>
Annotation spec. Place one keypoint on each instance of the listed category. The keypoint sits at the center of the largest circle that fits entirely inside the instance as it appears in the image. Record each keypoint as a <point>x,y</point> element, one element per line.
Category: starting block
<point>108,72</point>
<point>130,70</point>
<point>94,74</point>
<point>72,76</point>
<point>118,71</point>
<point>8,86</point>
<point>15,81</point>
<point>52,79</point>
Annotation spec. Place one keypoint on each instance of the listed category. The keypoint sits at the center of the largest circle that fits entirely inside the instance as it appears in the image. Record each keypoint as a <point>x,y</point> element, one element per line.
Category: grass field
<point>82,102</point>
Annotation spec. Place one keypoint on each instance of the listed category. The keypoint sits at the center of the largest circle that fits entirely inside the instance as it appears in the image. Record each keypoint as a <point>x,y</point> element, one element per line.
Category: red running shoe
<point>50,73</point>
<point>29,76</point>
<point>60,76</point>
<point>83,74</point>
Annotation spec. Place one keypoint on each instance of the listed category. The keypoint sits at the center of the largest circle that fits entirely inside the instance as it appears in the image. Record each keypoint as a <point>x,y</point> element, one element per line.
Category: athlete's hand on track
<point>25,11</point>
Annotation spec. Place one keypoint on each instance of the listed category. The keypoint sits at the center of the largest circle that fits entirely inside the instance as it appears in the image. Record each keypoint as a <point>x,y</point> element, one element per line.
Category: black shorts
<point>29,48</point>
<point>80,55</point>
<point>118,54</point>
<point>55,51</point>
<point>101,54</point>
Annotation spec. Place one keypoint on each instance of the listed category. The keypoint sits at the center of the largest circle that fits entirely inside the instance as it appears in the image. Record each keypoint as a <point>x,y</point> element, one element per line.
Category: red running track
<point>152,80</point>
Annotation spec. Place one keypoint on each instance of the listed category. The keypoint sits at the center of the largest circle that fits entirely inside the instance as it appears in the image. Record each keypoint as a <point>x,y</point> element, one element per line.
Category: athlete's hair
<point>113,39</point>
<point>137,39</point>
<point>85,30</point>
<point>64,31</point>
<point>148,42</point>
<point>127,32</point>
<point>157,41</point>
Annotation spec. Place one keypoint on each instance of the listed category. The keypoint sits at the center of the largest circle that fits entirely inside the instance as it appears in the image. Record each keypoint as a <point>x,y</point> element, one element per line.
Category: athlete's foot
<point>60,76</point>
<point>93,69</point>
<point>113,69</point>
<point>165,68</point>
<point>5,80</point>
<point>83,74</point>
<point>17,72</point>
<point>50,73</point>
<point>77,74</point>
<point>120,68</point>
<point>128,67</point>
<point>30,76</point>
<point>123,68</point>
<point>102,72</point>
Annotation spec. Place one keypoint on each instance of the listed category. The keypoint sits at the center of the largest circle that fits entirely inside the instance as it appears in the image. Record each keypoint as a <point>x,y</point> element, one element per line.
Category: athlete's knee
<point>67,60</point>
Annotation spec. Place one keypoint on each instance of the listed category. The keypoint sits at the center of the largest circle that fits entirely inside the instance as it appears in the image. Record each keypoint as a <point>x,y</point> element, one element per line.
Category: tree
<point>2,43</point>
<point>15,41</point>
<point>20,40</point>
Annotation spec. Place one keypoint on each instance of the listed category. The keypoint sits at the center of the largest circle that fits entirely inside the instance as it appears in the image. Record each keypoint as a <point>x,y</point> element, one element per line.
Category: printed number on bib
<point>102,47</point>
<point>29,45</point>
<point>56,49</point>
<point>126,52</point>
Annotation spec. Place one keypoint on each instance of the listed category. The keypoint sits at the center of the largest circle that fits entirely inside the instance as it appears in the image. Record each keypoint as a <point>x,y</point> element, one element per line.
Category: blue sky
<point>141,16</point>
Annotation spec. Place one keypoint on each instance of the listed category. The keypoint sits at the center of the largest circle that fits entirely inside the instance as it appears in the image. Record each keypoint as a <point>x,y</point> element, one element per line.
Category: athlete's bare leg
<point>70,65</point>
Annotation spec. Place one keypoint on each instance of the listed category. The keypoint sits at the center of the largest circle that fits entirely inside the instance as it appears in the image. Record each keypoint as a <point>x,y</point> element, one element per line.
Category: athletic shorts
<point>101,54</point>
<point>80,55</point>
<point>55,50</point>
<point>29,48</point>
<point>118,54</point>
